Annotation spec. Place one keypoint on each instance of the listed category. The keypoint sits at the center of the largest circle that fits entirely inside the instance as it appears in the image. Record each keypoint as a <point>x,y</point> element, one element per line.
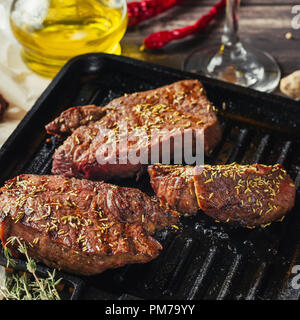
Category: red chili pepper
<point>139,11</point>
<point>159,39</point>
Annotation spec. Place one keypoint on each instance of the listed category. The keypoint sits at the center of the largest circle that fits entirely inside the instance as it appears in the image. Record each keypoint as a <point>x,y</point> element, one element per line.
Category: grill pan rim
<point>91,61</point>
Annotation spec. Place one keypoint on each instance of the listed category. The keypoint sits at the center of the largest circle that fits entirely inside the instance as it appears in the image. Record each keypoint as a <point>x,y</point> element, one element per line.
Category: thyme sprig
<point>27,286</point>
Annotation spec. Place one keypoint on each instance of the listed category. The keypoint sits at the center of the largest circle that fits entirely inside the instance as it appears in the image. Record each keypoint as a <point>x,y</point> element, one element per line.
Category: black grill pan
<point>203,259</point>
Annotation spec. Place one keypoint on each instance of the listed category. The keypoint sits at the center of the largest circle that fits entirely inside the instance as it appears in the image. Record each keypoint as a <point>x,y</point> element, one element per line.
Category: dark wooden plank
<point>264,27</point>
<point>245,2</point>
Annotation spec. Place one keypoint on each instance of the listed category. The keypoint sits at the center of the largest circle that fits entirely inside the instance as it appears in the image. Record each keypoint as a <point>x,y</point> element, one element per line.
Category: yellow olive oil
<point>61,29</point>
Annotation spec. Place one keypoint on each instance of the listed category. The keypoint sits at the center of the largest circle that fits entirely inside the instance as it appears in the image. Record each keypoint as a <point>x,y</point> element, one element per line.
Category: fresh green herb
<point>27,286</point>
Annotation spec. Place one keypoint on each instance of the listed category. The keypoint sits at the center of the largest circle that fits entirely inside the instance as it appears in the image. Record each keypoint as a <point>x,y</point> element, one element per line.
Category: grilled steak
<point>186,96</point>
<point>249,195</point>
<point>174,186</point>
<point>81,226</point>
<point>73,118</point>
<point>178,108</point>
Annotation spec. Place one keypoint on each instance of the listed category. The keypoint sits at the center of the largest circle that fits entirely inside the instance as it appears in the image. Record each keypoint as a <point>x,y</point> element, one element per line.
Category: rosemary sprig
<point>25,287</point>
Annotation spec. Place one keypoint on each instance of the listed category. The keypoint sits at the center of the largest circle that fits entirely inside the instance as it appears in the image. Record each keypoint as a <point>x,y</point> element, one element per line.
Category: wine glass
<point>233,61</point>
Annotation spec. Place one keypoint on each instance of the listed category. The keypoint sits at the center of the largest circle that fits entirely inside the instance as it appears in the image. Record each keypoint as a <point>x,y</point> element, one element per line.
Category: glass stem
<point>230,35</point>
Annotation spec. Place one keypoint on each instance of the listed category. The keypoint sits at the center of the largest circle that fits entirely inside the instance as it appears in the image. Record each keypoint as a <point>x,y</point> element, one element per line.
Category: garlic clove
<point>290,85</point>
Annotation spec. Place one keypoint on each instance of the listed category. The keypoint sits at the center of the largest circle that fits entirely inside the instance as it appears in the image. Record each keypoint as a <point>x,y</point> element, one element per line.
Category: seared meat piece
<point>73,118</point>
<point>83,154</point>
<point>174,186</point>
<point>186,96</point>
<point>249,195</point>
<point>177,107</point>
<point>81,226</point>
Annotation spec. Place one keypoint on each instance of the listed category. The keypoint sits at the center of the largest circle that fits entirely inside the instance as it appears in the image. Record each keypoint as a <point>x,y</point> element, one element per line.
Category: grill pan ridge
<point>203,259</point>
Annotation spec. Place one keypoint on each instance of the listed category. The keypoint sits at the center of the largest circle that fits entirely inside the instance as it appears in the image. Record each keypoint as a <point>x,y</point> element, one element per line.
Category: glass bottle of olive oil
<point>53,31</point>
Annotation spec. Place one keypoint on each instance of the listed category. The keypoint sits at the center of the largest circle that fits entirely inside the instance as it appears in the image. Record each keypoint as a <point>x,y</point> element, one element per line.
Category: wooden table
<point>263,23</point>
